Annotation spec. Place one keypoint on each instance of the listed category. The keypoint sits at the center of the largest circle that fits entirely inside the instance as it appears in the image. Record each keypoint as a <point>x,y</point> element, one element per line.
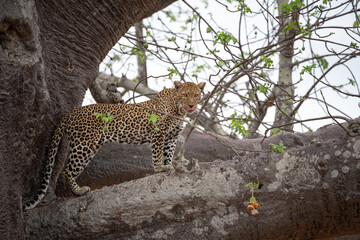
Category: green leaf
<point>224,38</point>
<point>252,200</point>
<point>172,39</point>
<point>241,6</point>
<point>263,88</point>
<point>351,81</point>
<point>140,53</point>
<point>106,118</point>
<point>298,27</point>
<point>308,69</point>
<point>172,71</point>
<point>292,6</point>
<point>277,148</point>
<point>220,64</point>
<point>237,123</point>
<point>268,62</point>
<point>354,45</point>
<point>116,58</point>
<point>152,118</point>
<point>251,185</point>
<point>275,131</point>
<point>356,23</point>
<point>322,62</point>
<point>170,15</point>
<point>326,1</point>
<point>212,52</point>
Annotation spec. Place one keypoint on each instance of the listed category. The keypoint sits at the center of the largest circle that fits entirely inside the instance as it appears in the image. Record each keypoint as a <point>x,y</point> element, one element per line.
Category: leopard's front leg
<point>169,149</point>
<point>170,142</point>
<point>158,151</point>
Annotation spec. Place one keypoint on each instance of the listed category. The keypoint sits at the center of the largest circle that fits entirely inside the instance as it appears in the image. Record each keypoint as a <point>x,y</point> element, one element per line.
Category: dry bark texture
<point>49,54</point>
<point>104,88</point>
<point>310,192</point>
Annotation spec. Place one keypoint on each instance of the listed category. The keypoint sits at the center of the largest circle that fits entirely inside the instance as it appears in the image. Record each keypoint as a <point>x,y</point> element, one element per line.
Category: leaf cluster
<point>153,119</point>
<point>237,124</point>
<point>307,68</point>
<point>241,6</point>
<point>292,6</point>
<point>252,186</point>
<point>268,62</point>
<point>172,71</point>
<point>224,38</point>
<point>104,117</point>
<point>277,148</point>
<point>140,53</point>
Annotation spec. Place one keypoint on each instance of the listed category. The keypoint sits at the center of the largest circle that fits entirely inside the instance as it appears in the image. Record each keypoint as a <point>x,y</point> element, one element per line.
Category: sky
<point>217,15</point>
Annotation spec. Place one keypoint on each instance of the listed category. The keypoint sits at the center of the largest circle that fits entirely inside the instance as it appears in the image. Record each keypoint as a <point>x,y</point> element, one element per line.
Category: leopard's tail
<point>59,132</point>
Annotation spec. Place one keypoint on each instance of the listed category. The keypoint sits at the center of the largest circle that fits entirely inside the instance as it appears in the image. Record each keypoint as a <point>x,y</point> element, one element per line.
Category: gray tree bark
<point>49,54</point>
<point>105,91</point>
<point>141,60</point>
<point>100,88</point>
<point>310,192</point>
<point>284,91</point>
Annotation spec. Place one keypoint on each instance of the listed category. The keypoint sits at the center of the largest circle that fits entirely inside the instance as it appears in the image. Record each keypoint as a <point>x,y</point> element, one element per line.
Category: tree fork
<point>50,53</point>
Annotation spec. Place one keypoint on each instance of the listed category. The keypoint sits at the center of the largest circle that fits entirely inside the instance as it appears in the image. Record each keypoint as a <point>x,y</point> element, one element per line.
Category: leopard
<point>131,124</point>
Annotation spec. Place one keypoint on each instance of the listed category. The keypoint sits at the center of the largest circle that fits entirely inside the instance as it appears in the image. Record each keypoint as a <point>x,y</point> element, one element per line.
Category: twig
<point>327,109</point>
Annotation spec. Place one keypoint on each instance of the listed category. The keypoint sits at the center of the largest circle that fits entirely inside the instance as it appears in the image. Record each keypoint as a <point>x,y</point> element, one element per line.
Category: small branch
<point>327,109</point>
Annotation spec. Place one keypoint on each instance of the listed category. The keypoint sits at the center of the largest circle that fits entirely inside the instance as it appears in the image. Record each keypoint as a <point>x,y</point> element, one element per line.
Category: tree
<point>50,52</point>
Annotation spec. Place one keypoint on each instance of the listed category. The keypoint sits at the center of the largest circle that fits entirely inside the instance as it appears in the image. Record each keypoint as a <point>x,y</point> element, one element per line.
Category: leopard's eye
<point>185,95</point>
<point>196,95</point>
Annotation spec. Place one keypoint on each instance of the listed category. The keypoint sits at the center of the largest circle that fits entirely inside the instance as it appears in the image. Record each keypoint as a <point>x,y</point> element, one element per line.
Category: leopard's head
<point>188,96</point>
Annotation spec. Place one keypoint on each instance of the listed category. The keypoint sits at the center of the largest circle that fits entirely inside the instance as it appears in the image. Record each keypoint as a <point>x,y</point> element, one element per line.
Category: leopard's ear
<point>177,85</point>
<point>202,85</point>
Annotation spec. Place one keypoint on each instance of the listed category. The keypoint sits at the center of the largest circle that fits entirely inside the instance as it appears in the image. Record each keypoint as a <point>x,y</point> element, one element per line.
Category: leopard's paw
<point>82,190</point>
<point>163,168</point>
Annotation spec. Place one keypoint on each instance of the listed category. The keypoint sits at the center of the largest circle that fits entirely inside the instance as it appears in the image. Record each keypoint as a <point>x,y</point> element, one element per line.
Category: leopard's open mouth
<point>190,110</point>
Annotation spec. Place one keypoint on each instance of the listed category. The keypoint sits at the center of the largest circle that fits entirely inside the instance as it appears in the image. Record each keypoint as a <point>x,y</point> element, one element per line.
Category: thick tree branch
<point>104,90</point>
<point>129,85</point>
<point>312,188</point>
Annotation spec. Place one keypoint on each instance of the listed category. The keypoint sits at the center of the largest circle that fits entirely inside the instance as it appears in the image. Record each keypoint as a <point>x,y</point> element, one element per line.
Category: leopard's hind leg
<point>80,156</point>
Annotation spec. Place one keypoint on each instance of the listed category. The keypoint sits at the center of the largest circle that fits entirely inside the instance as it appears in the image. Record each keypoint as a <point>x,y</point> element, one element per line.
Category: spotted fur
<point>131,124</point>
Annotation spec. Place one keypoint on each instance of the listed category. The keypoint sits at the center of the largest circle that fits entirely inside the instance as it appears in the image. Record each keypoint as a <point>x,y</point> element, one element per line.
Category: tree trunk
<point>284,91</point>
<point>141,60</point>
<point>310,192</point>
<point>49,52</point>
